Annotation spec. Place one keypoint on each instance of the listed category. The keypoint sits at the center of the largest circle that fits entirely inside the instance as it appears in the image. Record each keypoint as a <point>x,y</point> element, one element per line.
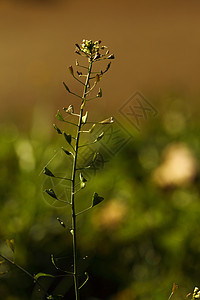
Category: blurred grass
<point>144,237</point>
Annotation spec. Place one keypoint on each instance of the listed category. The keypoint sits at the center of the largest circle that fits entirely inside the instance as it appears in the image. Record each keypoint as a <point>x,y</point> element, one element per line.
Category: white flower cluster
<point>89,47</point>
<point>196,293</point>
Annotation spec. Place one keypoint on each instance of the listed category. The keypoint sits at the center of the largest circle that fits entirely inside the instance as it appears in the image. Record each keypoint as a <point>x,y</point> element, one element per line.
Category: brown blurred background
<point>147,235</point>
<point>156,44</point>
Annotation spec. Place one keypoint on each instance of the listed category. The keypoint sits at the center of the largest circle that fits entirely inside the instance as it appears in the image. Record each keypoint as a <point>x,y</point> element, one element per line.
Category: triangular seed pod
<point>59,116</point>
<point>48,172</point>
<point>51,193</point>
<point>96,199</point>
<point>68,137</point>
<point>57,129</point>
<point>100,136</point>
<point>66,152</point>
<point>66,87</point>
<point>71,70</point>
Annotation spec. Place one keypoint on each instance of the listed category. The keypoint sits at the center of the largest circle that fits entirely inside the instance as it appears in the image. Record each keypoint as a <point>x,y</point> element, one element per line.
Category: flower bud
<point>107,121</point>
<point>71,70</point>
<point>111,56</point>
<point>99,95</point>
<point>97,55</point>
<point>77,45</point>
<point>69,110</point>
<point>97,78</point>
<point>61,222</point>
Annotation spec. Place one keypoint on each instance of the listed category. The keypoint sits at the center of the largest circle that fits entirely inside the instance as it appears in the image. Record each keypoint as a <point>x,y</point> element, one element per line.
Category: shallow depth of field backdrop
<point>146,234</point>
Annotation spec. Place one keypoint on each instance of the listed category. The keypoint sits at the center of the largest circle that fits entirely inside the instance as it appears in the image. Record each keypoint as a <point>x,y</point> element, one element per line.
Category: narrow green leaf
<point>66,152</point>
<point>96,199</point>
<point>59,116</point>
<point>68,137</point>
<point>51,193</point>
<point>48,172</point>
<point>11,244</point>
<point>57,129</point>
<point>66,87</point>
<point>84,118</point>
<point>42,275</point>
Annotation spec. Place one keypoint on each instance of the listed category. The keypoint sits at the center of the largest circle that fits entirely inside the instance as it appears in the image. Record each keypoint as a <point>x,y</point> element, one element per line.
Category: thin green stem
<point>92,98</point>
<point>83,211</point>
<point>70,123</point>
<point>85,145</point>
<point>78,79</point>
<point>82,67</point>
<point>26,272</point>
<point>74,233</point>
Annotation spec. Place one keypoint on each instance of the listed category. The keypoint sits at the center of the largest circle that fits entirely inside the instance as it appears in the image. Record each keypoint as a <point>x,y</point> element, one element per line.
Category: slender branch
<point>75,95</point>
<point>57,177</point>
<point>26,272</point>
<point>74,233</point>
<point>70,123</point>
<point>92,98</point>
<point>87,278</point>
<point>78,79</point>
<point>72,148</point>
<point>58,268</point>
<point>88,144</point>
<point>88,92</point>
<point>83,67</point>
<point>78,191</point>
<point>64,201</point>
<point>83,211</point>
<point>70,91</point>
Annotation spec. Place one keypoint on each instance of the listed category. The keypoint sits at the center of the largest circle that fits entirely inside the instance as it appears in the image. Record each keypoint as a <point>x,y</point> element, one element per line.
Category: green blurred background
<point>146,235</point>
